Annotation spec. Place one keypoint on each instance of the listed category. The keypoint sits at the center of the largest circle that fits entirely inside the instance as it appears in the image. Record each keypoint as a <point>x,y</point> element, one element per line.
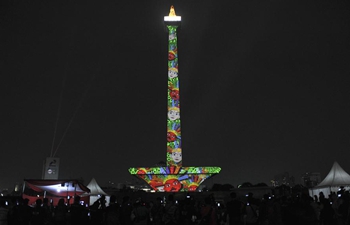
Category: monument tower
<point>174,177</point>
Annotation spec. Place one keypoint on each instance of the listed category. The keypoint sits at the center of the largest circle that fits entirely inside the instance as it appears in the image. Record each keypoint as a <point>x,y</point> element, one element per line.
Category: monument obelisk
<point>173,177</point>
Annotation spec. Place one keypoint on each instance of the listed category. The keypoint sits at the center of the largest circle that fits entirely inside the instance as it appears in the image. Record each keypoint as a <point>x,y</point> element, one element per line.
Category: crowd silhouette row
<point>270,210</point>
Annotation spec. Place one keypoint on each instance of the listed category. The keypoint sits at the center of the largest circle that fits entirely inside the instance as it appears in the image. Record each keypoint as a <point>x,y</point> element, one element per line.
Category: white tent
<point>335,179</point>
<point>96,191</point>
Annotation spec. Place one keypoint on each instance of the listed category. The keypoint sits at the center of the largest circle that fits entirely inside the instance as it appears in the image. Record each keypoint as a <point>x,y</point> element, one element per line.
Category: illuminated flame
<point>172,11</point>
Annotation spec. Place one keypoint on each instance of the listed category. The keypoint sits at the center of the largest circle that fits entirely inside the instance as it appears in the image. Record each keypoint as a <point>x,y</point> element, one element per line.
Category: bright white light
<point>172,18</point>
<point>58,190</point>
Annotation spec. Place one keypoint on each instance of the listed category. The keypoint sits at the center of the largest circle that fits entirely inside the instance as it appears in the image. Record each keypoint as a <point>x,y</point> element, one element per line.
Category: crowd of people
<point>247,210</point>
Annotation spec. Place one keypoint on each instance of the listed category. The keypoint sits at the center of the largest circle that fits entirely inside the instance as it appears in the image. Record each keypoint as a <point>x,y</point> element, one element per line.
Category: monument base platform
<point>174,179</point>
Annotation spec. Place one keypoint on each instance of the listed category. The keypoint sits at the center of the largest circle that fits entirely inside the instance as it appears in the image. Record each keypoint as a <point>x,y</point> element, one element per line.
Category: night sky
<point>264,87</point>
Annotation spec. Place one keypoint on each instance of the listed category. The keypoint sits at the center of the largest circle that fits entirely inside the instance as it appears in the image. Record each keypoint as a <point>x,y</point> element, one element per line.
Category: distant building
<point>311,179</point>
<point>283,179</point>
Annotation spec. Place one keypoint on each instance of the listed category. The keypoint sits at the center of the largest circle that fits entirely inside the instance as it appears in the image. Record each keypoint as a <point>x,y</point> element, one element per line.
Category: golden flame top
<point>172,11</point>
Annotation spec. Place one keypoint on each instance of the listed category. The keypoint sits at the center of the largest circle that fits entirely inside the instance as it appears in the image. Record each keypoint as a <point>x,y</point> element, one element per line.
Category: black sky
<point>264,87</point>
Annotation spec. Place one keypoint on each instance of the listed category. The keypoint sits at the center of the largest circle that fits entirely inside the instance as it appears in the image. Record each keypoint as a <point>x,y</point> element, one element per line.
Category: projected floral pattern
<point>174,150</point>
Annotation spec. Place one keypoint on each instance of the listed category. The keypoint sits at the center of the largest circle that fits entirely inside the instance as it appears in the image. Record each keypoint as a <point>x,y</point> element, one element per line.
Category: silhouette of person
<point>38,214</point>
<point>234,209</point>
<point>171,212</point>
<point>327,213</point>
<point>157,212</point>
<point>141,213</point>
<point>208,212</point>
<point>250,210</point>
<point>60,213</point>
<point>112,212</point>
<point>4,212</point>
<point>125,212</point>
<point>97,210</point>
<point>22,212</point>
<point>343,209</point>
<point>48,210</point>
<point>78,213</point>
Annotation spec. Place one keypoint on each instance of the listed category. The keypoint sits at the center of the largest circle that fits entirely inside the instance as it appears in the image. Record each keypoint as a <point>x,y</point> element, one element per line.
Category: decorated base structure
<point>174,177</point>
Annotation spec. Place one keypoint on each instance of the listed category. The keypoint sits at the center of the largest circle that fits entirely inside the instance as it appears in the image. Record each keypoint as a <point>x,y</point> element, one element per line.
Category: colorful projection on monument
<point>174,150</point>
<point>174,177</point>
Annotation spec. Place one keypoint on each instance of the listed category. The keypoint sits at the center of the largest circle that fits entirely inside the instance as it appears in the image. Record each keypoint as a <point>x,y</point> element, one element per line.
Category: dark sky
<point>264,87</point>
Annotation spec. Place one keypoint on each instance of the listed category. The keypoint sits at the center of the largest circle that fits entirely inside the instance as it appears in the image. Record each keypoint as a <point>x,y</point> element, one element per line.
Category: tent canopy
<point>336,178</point>
<point>53,189</point>
<point>57,186</point>
<point>95,192</point>
<point>95,189</point>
